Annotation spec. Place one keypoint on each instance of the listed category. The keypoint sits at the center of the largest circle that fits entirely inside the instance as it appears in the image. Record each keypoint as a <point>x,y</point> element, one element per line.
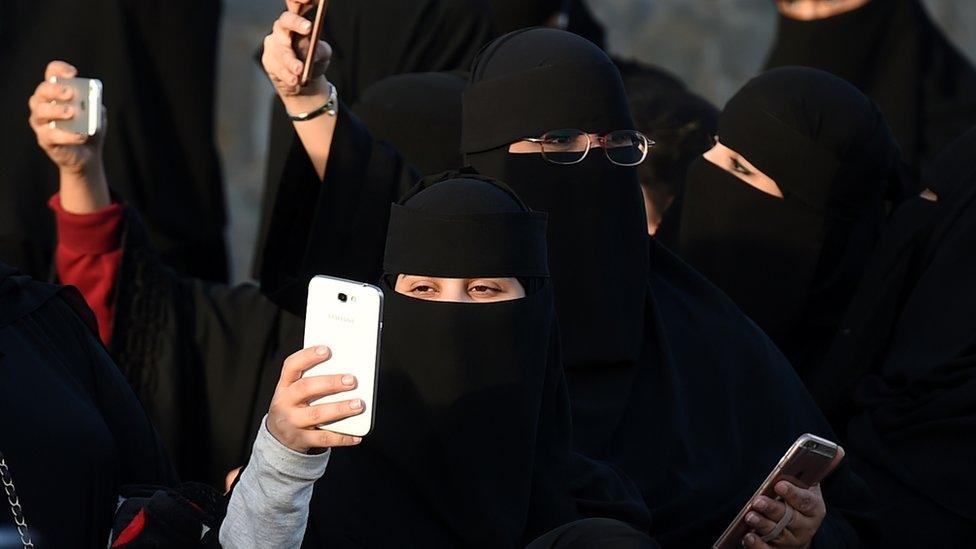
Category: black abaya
<point>894,53</point>
<point>157,61</point>
<point>374,39</point>
<point>667,378</point>
<point>71,430</point>
<point>902,375</point>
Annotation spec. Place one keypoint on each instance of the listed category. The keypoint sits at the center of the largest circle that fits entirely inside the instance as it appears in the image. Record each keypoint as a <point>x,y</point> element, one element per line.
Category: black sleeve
<point>203,358</point>
<point>336,226</point>
<point>142,456</point>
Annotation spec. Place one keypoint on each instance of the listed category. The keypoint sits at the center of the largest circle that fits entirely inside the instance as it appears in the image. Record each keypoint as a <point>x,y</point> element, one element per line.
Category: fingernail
<point>66,111</point>
<point>355,404</point>
<point>751,519</point>
<point>306,25</point>
<point>357,440</point>
<point>348,380</point>
<point>782,488</point>
<point>748,539</point>
<point>321,350</point>
<point>760,505</point>
<point>297,66</point>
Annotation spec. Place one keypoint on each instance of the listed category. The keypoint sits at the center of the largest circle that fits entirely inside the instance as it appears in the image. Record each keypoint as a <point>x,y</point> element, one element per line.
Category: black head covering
<point>373,39</point>
<point>512,15</point>
<point>420,114</point>
<point>792,264</point>
<point>900,380</point>
<point>595,207</point>
<point>892,51</point>
<point>471,445</point>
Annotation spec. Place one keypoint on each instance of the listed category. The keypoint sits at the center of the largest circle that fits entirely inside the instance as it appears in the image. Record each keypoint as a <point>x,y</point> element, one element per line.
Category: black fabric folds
<point>157,61</point>
<point>792,263</point>
<point>472,439</point>
<point>71,431</point>
<point>420,114</point>
<point>894,53</point>
<point>900,380</point>
<point>574,16</point>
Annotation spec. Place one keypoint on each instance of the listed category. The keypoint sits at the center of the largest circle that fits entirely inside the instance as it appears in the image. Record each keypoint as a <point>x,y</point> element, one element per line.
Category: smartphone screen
<point>320,10</point>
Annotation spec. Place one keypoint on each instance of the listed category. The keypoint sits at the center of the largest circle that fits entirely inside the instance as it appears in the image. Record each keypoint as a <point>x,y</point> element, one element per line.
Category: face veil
<point>471,443</point>
<point>792,263</point>
<point>597,240</point>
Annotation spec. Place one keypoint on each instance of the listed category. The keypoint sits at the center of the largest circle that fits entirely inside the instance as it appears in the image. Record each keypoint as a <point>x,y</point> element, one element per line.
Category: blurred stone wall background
<point>714,45</point>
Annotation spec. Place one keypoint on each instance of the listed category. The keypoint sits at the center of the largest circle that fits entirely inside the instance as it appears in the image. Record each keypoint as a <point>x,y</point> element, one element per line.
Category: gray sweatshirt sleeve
<point>269,505</point>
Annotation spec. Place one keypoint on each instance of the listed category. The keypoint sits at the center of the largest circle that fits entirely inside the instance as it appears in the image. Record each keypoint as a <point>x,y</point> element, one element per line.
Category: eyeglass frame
<point>601,139</point>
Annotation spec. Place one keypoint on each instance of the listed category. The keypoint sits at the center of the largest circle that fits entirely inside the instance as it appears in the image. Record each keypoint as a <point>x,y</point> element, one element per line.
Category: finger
<point>59,69</point>
<point>300,6</point>
<point>55,137</point>
<point>291,64</point>
<point>300,362</point>
<point>48,91</point>
<point>323,52</point>
<point>292,23</point>
<point>759,523</point>
<point>754,542</point>
<point>806,502</point>
<point>327,439</point>
<point>324,414</point>
<point>769,508</point>
<point>44,113</point>
<point>311,388</point>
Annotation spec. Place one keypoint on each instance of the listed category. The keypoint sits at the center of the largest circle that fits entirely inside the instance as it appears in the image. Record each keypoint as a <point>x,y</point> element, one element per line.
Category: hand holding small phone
<point>292,418</point>
<point>788,508</point>
<point>66,114</point>
<point>294,58</point>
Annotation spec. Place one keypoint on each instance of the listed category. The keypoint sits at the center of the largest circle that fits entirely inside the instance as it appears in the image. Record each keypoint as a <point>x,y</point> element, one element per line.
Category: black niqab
<point>513,15</point>
<point>472,436</point>
<point>511,78</point>
<point>419,114</point>
<point>792,264</point>
<point>894,53</point>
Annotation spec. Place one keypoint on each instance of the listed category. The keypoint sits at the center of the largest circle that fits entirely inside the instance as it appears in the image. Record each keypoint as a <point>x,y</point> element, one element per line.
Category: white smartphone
<point>87,102</point>
<point>808,461</point>
<point>347,317</point>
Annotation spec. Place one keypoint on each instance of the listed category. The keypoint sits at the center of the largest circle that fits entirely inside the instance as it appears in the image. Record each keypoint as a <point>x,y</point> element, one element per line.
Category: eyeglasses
<point>622,147</point>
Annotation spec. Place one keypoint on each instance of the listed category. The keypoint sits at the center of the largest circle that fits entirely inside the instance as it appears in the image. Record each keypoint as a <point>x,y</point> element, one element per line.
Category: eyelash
<point>478,288</point>
<point>736,166</point>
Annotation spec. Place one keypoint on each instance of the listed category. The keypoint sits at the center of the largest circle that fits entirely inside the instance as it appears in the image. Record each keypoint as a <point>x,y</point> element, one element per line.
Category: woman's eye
<point>482,289</point>
<point>422,289</point>
<point>736,166</point>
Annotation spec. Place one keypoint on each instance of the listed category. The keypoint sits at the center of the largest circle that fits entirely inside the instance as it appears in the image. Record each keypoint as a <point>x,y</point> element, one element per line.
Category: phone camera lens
<point>343,297</point>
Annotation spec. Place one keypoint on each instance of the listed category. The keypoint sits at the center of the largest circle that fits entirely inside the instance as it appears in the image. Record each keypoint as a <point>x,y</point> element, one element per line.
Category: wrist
<point>84,190</point>
<point>312,96</point>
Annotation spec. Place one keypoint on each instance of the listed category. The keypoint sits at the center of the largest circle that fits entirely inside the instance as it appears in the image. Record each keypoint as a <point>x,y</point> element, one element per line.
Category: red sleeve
<point>88,256</point>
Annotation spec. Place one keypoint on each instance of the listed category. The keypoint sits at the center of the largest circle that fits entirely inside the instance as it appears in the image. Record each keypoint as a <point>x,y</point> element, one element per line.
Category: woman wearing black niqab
<point>900,380</point>
<point>667,378</point>
<point>471,444</point>
<point>894,53</point>
<point>791,262</point>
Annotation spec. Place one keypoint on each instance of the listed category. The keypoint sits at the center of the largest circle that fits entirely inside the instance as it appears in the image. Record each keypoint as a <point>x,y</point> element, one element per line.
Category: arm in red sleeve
<point>88,256</point>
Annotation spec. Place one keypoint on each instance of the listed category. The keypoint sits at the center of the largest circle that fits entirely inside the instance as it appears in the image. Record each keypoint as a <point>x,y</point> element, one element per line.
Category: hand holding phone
<point>294,58</point>
<point>67,116</point>
<point>788,507</point>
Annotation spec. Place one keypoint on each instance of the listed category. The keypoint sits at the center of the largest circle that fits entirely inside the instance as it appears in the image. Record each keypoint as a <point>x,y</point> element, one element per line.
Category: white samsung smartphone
<point>87,102</point>
<point>347,317</point>
<point>805,464</point>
